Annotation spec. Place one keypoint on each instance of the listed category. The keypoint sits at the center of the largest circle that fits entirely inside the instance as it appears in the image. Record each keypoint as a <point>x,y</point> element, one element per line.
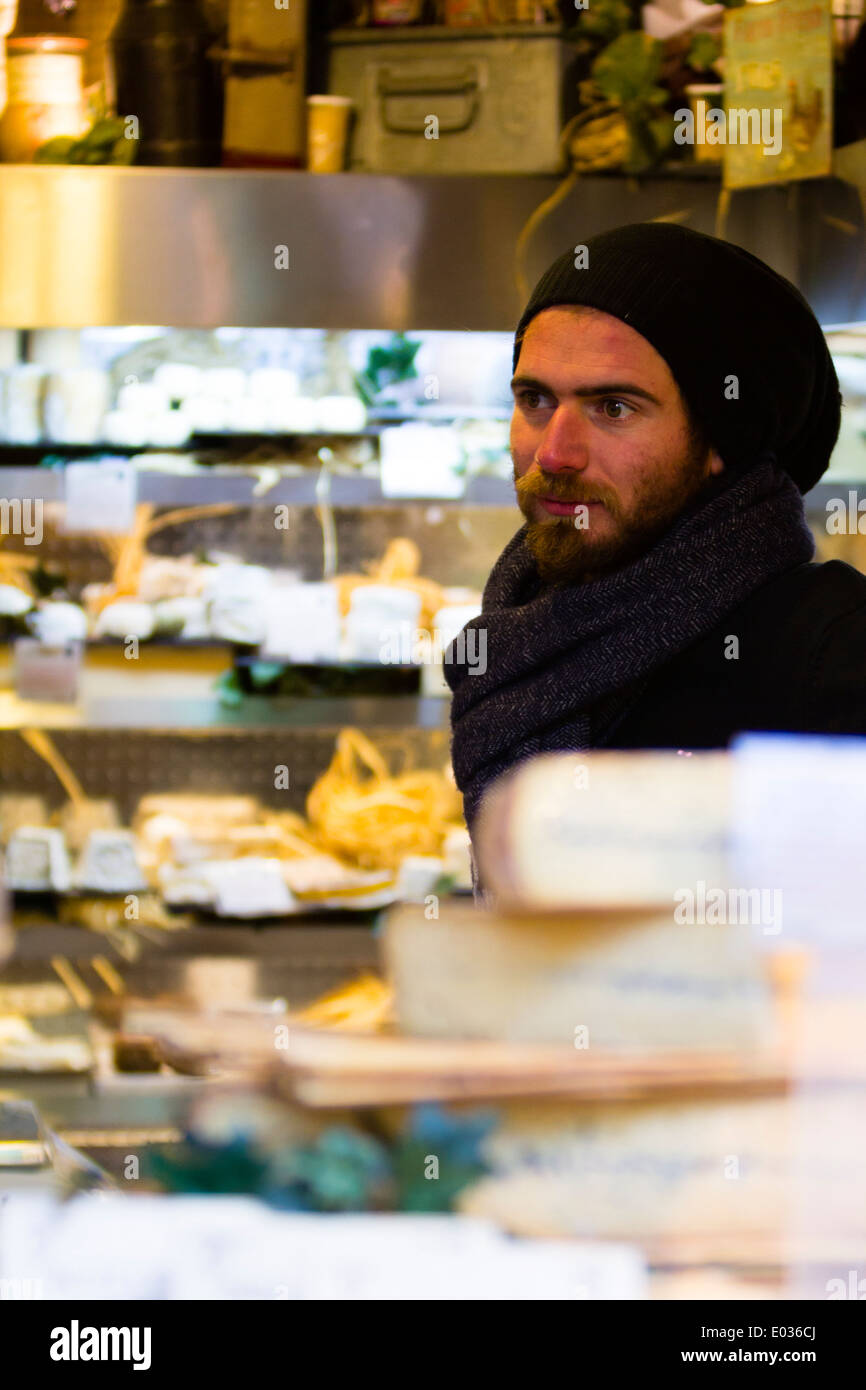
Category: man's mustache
<point>561,490</point>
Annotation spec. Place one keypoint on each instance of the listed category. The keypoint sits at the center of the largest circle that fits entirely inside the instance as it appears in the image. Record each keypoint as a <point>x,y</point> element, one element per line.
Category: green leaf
<point>344,1170</point>
<point>228,689</point>
<point>55,151</point>
<point>105,132</point>
<point>662,128</point>
<point>386,365</point>
<point>628,69</point>
<point>604,20</point>
<point>649,137</point>
<point>704,51</point>
<point>123,151</point>
<point>264,673</point>
<point>455,1142</point>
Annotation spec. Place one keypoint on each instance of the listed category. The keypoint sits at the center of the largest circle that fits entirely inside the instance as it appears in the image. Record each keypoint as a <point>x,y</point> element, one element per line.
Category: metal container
<point>264,66</point>
<point>166,79</point>
<point>437,100</point>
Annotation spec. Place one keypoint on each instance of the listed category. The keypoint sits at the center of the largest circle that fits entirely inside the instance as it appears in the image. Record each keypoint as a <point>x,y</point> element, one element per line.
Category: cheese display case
<point>263,612</point>
<point>243,517</point>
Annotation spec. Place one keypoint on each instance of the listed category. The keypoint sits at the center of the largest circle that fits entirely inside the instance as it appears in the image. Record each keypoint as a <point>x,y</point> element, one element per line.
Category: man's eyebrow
<point>604,388</point>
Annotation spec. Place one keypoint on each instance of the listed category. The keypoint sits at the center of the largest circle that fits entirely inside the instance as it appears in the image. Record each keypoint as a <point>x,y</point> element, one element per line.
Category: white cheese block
<point>23,1049</point>
<point>381,623</point>
<point>417,876</point>
<point>302,623</point>
<point>126,618</point>
<point>632,980</point>
<point>252,887</point>
<point>456,849</point>
<point>249,887</point>
<point>56,623</point>
<point>14,603</point>
<point>37,860</point>
<point>605,829</point>
<point>109,863</point>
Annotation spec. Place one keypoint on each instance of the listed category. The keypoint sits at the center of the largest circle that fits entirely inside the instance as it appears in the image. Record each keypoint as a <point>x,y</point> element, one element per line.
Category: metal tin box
<point>439,101</point>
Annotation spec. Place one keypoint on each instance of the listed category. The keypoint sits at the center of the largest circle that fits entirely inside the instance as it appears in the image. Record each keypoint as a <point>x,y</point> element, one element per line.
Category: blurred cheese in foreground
<point>605,830</point>
<point>737,1180</point>
<point>604,979</point>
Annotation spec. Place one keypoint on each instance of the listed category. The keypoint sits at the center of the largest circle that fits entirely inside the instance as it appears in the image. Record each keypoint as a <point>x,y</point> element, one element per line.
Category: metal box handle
<point>462,82</point>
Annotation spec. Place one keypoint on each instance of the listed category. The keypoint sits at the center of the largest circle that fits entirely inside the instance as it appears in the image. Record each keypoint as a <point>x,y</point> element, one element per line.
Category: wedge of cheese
<point>631,980</point>
<point>198,809</point>
<point>742,1180</point>
<point>606,829</point>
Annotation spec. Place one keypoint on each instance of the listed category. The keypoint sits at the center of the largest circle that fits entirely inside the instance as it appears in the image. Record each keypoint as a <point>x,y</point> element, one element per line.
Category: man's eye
<point>611,401</point>
<point>530,399</point>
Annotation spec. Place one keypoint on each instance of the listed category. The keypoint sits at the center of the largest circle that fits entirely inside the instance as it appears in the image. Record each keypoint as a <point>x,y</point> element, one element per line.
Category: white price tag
<point>797,817</point>
<point>44,671</point>
<point>421,460</point>
<point>100,496</point>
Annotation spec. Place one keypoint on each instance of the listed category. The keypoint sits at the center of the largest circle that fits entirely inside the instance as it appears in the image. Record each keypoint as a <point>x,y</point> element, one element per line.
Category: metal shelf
<point>240,440</point>
<point>373,251</point>
<point>187,489</point>
<point>207,713</point>
<point>346,489</point>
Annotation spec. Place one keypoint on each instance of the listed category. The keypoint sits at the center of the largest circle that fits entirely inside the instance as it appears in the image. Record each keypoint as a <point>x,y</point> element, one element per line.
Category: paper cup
<point>327,133</point>
<point>703,98</point>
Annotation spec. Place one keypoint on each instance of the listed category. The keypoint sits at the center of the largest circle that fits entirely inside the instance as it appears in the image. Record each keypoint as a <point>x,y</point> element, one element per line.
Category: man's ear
<point>716,463</point>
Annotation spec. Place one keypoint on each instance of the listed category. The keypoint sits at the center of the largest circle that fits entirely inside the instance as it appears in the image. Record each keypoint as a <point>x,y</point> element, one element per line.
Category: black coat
<point>801,668</point>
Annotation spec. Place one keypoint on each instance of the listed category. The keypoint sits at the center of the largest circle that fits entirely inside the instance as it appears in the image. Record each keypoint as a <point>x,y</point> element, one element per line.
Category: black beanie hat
<point>714,311</point>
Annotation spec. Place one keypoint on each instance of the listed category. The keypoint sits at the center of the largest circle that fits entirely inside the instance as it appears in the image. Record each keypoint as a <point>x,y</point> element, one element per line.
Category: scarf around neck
<point>562,664</point>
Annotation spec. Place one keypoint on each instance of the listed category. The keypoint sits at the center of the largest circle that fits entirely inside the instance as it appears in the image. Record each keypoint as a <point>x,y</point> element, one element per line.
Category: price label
<point>100,496</point>
<point>46,671</point>
<point>798,806</point>
<point>421,460</point>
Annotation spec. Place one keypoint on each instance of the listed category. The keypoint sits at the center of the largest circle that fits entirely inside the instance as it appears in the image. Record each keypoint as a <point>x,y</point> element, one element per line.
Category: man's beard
<point>566,554</point>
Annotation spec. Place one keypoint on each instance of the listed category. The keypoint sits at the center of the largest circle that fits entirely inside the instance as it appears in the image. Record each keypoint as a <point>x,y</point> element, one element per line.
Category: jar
<point>397,11</point>
<point>165,77</point>
<point>45,82</point>
<point>465,13</point>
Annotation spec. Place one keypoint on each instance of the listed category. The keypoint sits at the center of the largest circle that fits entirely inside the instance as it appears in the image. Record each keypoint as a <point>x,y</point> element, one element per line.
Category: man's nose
<point>564,443</point>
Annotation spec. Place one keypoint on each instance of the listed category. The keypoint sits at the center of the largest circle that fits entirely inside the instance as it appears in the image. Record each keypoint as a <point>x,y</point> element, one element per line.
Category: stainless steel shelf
<point>197,247</point>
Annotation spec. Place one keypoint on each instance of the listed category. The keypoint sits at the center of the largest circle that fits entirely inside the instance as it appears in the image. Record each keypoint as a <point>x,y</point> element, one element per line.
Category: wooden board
<point>325,1068</point>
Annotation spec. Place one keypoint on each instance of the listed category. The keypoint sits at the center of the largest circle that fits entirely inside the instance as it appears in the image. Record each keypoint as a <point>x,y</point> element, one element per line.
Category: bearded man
<point>674,397</point>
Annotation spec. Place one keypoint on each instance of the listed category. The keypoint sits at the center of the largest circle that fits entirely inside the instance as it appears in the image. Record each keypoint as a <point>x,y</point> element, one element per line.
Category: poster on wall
<point>778,118</point>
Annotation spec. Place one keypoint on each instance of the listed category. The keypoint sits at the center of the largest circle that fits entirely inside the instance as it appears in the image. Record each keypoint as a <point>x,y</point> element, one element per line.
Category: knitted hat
<point>714,312</point>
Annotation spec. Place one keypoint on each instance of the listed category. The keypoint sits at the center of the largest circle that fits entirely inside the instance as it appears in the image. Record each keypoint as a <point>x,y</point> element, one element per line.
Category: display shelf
<point>300,490</point>
<point>168,713</point>
<point>241,441</point>
<point>304,489</point>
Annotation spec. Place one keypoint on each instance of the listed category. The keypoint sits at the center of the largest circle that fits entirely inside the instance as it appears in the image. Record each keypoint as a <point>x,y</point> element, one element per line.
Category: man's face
<point>598,421</point>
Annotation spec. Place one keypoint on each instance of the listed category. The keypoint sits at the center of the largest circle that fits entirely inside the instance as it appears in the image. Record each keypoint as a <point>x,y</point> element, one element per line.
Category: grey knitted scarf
<point>565,663</point>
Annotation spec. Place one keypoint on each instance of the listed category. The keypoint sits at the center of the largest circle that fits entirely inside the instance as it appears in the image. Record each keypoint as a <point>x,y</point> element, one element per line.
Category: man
<point>673,398</point>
